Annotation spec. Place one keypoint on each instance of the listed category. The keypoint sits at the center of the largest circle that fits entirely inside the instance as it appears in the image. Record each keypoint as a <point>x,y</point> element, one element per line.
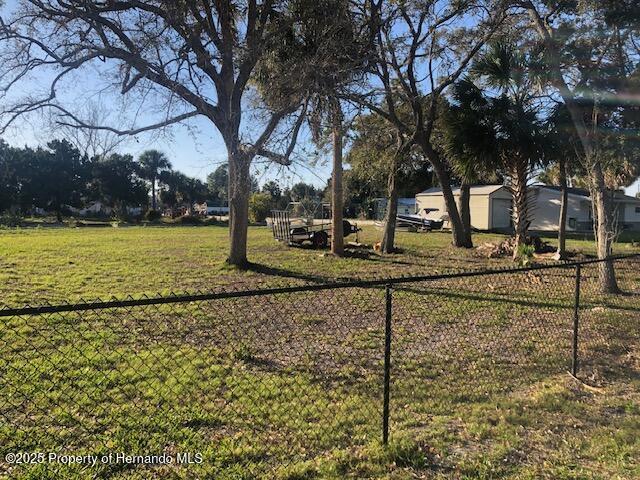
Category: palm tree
<point>465,123</point>
<point>324,53</point>
<point>499,131</point>
<point>181,188</point>
<point>153,163</point>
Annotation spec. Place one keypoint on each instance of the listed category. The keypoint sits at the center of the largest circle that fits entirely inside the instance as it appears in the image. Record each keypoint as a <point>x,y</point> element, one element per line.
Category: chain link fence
<point>269,382</point>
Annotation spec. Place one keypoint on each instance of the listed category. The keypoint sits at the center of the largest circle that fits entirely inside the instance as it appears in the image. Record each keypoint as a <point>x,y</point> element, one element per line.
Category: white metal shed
<point>490,205</point>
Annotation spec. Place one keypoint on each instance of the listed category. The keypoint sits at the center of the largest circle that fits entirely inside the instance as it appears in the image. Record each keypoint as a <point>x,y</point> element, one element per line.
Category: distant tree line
<point>58,179</point>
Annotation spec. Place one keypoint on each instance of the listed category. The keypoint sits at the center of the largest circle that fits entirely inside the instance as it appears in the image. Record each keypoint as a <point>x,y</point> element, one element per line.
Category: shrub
<point>525,254</point>
<point>153,215</point>
<point>189,220</point>
<point>10,220</point>
<point>121,216</point>
<point>212,221</point>
<point>259,207</point>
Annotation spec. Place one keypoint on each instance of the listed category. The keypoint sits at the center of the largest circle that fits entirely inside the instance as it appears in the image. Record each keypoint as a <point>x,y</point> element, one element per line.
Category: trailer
<point>297,230</point>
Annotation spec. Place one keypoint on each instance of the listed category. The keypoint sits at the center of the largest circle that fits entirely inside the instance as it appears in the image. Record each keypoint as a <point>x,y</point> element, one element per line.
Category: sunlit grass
<point>64,264</point>
<point>170,378</point>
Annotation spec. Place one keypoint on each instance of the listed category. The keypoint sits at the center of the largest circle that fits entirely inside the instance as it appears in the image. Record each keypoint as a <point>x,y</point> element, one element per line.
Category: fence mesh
<point>469,338</point>
<point>262,381</point>
<point>610,324</point>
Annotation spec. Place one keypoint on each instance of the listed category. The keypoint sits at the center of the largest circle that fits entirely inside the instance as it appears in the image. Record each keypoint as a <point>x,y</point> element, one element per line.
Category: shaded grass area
<point>289,386</point>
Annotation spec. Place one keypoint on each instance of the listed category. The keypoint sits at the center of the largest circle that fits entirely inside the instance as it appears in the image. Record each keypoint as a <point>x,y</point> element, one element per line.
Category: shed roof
<point>618,195</point>
<point>474,190</point>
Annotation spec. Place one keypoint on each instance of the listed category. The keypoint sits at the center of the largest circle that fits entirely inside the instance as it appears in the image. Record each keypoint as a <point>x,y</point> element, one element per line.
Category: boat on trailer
<point>415,222</point>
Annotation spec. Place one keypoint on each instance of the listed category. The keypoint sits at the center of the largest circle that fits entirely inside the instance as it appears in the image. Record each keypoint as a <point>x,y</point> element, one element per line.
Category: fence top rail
<point>185,298</point>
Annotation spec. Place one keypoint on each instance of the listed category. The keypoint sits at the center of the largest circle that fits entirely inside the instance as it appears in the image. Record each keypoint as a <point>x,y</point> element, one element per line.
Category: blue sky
<point>196,154</point>
<point>195,150</point>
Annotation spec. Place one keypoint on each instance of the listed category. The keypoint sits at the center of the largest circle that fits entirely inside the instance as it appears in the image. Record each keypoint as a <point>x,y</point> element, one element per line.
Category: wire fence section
<point>253,383</point>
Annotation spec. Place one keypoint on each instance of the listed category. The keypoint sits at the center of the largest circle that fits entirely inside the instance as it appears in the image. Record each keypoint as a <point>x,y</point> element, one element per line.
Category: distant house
<point>490,207</point>
<point>134,211</point>
<point>406,206</point>
<point>210,208</point>
<point>95,208</point>
<point>545,209</point>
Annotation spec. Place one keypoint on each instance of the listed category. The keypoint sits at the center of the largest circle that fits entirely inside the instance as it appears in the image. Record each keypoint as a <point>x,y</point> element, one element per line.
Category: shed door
<point>501,213</point>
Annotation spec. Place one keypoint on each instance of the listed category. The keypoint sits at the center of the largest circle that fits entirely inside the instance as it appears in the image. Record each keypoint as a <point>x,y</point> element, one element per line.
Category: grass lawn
<point>52,264</point>
<point>289,386</point>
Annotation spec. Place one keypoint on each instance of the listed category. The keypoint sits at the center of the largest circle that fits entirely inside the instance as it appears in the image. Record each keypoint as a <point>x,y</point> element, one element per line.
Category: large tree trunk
<point>239,186</point>
<point>603,228</point>
<point>153,193</point>
<point>561,253</point>
<point>461,238</point>
<point>337,234</point>
<point>520,210</point>
<point>601,208</point>
<point>465,207</point>
<point>389,235</point>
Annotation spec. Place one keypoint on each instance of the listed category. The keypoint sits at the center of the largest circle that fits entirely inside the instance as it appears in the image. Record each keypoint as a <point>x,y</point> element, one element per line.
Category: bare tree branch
<point>77,123</point>
<point>192,58</point>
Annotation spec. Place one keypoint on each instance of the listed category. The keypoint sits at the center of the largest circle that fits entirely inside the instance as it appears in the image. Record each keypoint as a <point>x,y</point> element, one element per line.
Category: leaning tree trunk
<point>389,235</point>
<point>461,238</point>
<point>600,206</point>
<point>337,234</point>
<point>239,186</point>
<point>520,206</point>
<point>465,207</point>
<point>561,253</point>
<point>603,228</point>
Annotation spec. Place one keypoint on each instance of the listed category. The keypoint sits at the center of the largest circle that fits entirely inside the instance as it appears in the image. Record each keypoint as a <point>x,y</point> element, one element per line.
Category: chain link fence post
<point>576,311</point>
<point>387,365</point>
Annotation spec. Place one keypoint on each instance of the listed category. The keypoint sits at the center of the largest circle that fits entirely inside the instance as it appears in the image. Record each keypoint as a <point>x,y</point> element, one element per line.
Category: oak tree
<point>182,58</point>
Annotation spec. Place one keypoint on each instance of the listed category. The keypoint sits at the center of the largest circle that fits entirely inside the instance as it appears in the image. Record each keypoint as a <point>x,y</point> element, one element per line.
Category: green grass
<point>288,386</point>
<point>64,264</point>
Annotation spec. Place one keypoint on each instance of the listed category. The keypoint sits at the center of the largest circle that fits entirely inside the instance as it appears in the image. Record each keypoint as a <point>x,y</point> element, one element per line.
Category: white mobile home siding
<point>479,211</point>
<point>631,215</point>
<point>544,210</point>
<point>490,207</point>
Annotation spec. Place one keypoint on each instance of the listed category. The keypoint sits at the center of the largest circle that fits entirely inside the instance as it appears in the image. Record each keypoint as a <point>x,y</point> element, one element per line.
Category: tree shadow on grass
<point>281,272</point>
<point>504,298</point>
<point>315,278</point>
<point>367,256</point>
